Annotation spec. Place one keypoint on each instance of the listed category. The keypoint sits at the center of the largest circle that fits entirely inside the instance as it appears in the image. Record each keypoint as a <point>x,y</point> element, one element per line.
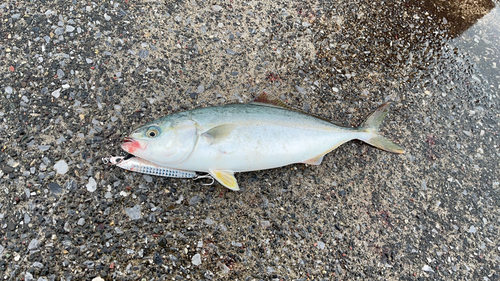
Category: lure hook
<point>112,160</point>
<point>207,176</point>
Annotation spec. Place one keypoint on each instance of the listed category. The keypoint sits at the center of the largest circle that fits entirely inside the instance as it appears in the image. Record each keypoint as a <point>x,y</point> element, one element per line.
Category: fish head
<point>163,142</point>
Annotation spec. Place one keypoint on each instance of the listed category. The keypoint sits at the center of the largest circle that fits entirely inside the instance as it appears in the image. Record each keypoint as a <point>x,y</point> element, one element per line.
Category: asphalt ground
<point>78,76</point>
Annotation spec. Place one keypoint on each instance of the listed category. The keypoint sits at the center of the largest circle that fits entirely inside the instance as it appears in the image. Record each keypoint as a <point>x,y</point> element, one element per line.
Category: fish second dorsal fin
<point>267,99</point>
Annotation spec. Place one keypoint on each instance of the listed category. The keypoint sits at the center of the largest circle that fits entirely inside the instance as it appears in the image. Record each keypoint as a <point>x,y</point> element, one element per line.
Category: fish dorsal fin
<point>271,100</point>
<point>217,134</point>
<point>267,99</point>
<point>226,178</point>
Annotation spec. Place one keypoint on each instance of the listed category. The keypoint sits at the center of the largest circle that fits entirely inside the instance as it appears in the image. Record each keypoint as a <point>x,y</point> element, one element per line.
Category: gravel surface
<point>78,76</point>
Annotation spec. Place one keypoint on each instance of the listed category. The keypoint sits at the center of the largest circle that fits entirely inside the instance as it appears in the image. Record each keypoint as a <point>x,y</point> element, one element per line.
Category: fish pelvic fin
<point>370,128</point>
<point>226,178</point>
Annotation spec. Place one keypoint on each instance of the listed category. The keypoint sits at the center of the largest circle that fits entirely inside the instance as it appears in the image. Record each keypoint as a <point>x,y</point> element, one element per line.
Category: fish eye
<point>152,132</point>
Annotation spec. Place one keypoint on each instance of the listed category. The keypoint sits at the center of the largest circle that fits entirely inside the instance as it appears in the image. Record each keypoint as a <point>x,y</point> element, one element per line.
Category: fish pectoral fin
<point>226,178</point>
<point>314,161</point>
<point>217,134</point>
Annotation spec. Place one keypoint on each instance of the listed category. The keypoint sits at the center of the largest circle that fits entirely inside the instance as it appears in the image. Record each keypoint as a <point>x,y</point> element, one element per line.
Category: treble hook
<point>207,176</point>
<point>112,160</point>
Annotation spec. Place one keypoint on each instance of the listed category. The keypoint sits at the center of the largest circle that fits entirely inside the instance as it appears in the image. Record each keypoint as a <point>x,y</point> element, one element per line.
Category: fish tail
<point>370,128</point>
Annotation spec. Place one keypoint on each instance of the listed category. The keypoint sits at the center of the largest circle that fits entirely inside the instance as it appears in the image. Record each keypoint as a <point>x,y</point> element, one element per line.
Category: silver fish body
<point>233,138</point>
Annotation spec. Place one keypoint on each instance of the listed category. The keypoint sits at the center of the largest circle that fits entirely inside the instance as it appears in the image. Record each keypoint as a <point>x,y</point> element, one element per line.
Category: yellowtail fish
<point>263,134</point>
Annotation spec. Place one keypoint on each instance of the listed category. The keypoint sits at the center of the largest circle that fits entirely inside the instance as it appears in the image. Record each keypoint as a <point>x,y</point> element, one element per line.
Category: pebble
<point>157,259</point>
<point>200,89</point>
<point>208,221</point>
<point>60,73</point>
<point>300,89</point>
<point>321,245</point>
<point>43,148</point>
<point>196,260</point>
<point>472,229</point>
<point>265,224</point>
<point>8,90</point>
<point>61,167</point>
<point>230,52</point>
<point>134,213</point>
<point>59,31</point>
<point>194,200</point>
<point>143,54</point>
<point>56,93</point>
<point>92,185</point>
<point>81,221</point>
<point>38,264</point>
<point>216,8</point>
<point>33,244</point>
<point>427,268</point>
<point>69,28</point>
<point>55,188</point>
<point>98,278</point>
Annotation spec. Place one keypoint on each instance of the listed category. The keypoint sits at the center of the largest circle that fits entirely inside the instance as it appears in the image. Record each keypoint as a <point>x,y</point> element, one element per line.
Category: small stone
<point>196,260</point>
<point>70,185</point>
<point>8,90</point>
<point>265,224</point>
<point>148,178</point>
<point>61,167</point>
<point>134,213</point>
<point>60,140</point>
<point>43,148</point>
<point>427,268</point>
<point>321,245</point>
<point>27,218</point>
<point>38,264</point>
<point>60,73</point>
<point>59,31</point>
<point>143,54</point>
<point>56,93</point>
<point>208,221</point>
<point>216,8</point>
<point>472,229</point>
<point>33,244</point>
<point>106,17</point>
<point>69,28</point>
<point>92,185</point>
<point>81,221</point>
<point>300,89</point>
<point>200,89</point>
<point>88,60</point>
<point>230,52</point>
<point>55,188</point>
<point>98,278</point>
<point>157,258</point>
<point>194,200</point>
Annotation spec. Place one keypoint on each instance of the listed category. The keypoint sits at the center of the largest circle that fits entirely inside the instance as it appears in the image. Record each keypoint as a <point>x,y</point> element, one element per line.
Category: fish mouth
<point>131,145</point>
<point>128,139</point>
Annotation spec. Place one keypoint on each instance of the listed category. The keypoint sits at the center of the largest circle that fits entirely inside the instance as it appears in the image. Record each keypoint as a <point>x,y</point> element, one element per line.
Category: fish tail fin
<point>370,128</point>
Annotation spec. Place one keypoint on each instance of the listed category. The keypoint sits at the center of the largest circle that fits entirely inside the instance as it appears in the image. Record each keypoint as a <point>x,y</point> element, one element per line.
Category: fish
<point>262,134</point>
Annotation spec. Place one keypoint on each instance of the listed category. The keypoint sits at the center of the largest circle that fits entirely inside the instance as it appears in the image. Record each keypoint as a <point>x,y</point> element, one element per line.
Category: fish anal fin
<point>217,134</point>
<point>315,160</point>
<point>226,178</point>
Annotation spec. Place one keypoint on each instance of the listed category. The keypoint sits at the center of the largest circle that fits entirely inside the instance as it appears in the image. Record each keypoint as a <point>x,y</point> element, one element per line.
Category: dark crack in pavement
<point>78,76</point>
